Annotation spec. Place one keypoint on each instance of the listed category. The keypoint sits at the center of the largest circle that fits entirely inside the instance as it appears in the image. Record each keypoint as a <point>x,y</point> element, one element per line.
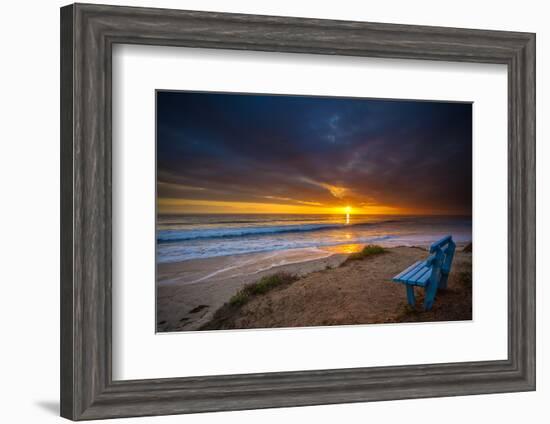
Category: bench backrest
<point>442,253</point>
<point>441,243</point>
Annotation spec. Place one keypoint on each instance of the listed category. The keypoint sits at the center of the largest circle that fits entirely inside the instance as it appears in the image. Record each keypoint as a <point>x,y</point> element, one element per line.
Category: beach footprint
<point>198,309</point>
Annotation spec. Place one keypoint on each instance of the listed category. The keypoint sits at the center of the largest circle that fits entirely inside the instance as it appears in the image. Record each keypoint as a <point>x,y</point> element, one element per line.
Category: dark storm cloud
<point>257,148</point>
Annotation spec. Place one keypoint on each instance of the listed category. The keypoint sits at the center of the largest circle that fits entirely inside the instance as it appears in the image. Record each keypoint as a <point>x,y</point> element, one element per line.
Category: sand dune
<point>328,293</point>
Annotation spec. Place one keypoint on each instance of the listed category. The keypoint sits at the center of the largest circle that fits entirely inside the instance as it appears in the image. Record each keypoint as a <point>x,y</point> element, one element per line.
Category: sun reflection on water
<point>345,248</point>
<point>348,212</point>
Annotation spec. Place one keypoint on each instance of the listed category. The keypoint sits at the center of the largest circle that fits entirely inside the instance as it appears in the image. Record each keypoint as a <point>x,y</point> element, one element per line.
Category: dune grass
<point>368,251</point>
<point>222,317</point>
<point>261,286</point>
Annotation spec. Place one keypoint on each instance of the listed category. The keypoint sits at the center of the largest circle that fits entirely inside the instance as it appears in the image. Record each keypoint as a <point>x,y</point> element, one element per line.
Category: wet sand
<point>189,292</point>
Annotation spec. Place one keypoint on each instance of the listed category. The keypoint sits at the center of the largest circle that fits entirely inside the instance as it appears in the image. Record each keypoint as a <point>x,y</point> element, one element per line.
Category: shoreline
<point>187,300</point>
<point>190,292</point>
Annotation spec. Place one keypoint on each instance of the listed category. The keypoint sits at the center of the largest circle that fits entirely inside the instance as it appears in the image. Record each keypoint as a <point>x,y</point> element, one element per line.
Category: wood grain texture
<point>66,209</point>
<point>88,33</point>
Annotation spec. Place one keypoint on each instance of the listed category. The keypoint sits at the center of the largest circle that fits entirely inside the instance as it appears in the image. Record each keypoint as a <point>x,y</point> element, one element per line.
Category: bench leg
<point>429,295</point>
<point>410,295</point>
<point>443,281</point>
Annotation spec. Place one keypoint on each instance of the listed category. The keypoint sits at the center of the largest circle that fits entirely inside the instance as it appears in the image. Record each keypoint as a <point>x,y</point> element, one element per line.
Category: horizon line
<point>326,213</point>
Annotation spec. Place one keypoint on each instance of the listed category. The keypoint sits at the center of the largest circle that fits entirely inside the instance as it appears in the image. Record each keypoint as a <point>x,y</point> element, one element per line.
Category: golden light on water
<point>345,248</point>
<point>347,209</point>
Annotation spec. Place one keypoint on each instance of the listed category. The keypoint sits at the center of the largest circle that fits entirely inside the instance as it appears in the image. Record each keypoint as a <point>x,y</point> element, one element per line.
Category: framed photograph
<point>332,210</point>
<point>264,212</point>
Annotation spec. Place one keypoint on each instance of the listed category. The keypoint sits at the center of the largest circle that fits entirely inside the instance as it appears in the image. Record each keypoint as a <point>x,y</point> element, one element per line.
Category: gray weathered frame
<point>88,33</point>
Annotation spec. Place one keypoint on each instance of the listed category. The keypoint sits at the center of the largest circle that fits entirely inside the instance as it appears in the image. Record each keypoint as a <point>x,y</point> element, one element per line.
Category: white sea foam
<point>197,237</point>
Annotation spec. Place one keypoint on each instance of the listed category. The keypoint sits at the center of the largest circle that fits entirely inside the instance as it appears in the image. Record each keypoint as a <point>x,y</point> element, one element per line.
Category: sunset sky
<point>232,153</point>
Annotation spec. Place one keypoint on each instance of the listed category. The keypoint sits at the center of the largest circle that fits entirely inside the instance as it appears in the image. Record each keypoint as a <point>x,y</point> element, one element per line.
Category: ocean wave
<point>173,253</point>
<point>172,236</point>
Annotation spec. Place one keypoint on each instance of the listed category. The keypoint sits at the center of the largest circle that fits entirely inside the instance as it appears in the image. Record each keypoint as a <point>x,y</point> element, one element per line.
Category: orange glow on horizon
<point>194,206</point>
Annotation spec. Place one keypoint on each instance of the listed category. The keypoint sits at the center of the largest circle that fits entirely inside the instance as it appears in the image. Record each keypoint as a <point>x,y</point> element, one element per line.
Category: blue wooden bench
<point>431,273</point>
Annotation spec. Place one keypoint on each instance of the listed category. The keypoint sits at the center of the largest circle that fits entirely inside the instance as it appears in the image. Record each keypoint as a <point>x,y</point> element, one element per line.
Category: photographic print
<point>281,211</point>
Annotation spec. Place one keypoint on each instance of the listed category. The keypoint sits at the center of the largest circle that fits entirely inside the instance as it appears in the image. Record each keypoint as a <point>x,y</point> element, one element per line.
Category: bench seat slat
<point>413,271</point>
<point>416,278</point>
<point>424,279</point>
<point>402,273</point>
<point>409,274</point>
<point>417,274</point>
<point>421,277</point>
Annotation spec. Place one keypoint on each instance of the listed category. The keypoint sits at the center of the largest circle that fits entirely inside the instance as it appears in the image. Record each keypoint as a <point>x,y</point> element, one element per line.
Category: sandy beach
<point>189,292</point>
<point>328,291</point>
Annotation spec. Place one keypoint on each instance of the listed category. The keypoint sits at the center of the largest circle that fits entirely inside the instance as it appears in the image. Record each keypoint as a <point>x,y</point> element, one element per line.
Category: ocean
<point>187,237</point>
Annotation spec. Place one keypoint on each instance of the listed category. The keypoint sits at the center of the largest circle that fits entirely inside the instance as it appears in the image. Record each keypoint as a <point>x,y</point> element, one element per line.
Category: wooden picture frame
<point>88,33</point>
